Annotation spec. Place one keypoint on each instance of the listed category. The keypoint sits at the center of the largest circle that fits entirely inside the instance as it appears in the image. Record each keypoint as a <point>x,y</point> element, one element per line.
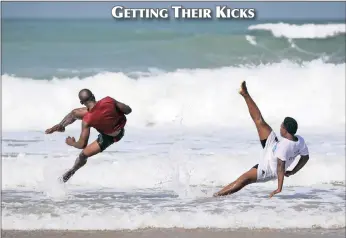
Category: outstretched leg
<point>244,180</point>
<point>263,128</point>
<point>90,150</point>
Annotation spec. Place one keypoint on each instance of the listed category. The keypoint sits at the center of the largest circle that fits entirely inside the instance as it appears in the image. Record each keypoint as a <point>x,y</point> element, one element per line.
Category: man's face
<point>282,129</point>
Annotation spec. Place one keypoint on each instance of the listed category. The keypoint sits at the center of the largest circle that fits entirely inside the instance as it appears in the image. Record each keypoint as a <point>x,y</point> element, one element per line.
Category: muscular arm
<point>281,174</point>
<point>83,138</point>
<point>302,161</point>
<point>75,114</point>
<point>123,107</point>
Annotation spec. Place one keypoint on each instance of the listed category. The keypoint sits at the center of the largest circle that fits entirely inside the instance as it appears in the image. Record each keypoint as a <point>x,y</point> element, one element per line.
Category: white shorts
<point>264,170</point>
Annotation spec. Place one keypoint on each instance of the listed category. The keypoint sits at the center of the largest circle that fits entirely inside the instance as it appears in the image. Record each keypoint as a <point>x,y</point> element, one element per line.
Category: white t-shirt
<point>287,150</point>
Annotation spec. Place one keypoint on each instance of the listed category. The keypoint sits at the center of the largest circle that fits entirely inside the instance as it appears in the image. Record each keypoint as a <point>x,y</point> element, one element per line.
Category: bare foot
<point>243,90</point>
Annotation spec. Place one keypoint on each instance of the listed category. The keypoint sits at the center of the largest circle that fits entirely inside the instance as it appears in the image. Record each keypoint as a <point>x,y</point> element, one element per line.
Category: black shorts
<point>263,143</point>
<point>105,141</point>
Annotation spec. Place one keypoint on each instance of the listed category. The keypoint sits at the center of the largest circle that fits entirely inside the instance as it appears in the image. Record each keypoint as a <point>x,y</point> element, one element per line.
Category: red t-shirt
<point>104,116</point>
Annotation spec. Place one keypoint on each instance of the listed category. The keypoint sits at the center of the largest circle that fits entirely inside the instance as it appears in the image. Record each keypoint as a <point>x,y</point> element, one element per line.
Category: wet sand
<point>176,233</point>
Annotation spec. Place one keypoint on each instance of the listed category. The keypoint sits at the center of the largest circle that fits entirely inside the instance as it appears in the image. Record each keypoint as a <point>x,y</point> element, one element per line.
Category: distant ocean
<point>189,133</point>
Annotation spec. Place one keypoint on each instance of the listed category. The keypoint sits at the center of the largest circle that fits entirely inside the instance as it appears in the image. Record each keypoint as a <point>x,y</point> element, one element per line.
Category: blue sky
<point>265,10</point>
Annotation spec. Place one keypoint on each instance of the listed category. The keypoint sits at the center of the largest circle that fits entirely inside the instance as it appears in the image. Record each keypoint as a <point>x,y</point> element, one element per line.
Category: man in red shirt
<point>107,116</point>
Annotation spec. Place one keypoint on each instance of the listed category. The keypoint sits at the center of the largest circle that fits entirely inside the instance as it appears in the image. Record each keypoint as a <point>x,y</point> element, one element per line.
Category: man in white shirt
<point>277,156</point>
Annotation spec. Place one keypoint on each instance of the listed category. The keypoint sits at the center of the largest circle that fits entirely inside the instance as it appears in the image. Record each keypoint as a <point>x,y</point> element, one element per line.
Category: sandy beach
<point>175,233</point>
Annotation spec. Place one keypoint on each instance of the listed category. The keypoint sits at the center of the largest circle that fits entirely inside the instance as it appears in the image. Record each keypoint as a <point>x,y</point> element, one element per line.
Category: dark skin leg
<point>263,130</point>
<point>81,160</point>
<point>262,127</point>
<point>244,180</point>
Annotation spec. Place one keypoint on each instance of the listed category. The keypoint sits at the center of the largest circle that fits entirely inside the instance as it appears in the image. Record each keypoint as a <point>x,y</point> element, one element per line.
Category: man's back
<point>288,150</point>
<point>105,117</point>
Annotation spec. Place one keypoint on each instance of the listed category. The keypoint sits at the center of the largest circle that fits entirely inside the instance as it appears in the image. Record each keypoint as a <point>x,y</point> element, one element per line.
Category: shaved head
<point>85,95</point>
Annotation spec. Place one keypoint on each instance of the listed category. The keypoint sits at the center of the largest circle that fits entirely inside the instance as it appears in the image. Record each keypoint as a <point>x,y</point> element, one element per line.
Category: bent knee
<point>83,158</point>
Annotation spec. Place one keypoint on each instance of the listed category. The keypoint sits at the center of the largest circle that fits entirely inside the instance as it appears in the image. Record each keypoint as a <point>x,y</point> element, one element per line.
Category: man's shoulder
<point>87,117</point>
<point>284,142</point>
<point>300,138</point>
<point>302,144</point>
<point>107,99</point>
<point>284,145</point>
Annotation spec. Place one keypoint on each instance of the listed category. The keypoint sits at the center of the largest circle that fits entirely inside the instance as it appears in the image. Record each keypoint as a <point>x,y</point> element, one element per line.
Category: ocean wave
<point>305,31</point>
<point>313,93</point>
